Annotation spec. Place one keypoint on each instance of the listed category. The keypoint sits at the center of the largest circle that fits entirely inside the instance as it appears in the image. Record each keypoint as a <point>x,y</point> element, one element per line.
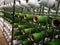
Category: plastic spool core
<point>18,15</point>
<point>22,43</point>
<point>23,32</point>
<point>27,1</point>
<point>16,37</point>
<point>19,2</point>
<point>56,23</point>
<point>35,19</point>
<point>38,0</point>
<point>25,17</point>
<point>32,38</point>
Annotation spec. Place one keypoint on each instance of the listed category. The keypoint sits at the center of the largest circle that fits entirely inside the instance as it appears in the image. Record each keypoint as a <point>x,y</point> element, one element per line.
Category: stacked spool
<point>32,30</point>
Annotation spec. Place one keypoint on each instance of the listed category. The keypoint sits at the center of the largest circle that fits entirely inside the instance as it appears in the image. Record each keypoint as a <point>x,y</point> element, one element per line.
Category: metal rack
<point>41,11</point>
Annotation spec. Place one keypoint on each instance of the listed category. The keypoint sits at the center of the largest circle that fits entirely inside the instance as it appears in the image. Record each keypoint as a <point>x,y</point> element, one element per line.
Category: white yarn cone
<point>8,1</point>
<point>23,3</point>
<point>16,4</point>
<point>33,3</point>
<point>49,3</point>
<point>2,6</point>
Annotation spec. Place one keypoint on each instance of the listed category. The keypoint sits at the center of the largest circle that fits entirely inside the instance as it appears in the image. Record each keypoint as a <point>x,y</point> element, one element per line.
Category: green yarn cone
<point>16,24</point>
<point>54,42</point>
<point>16,33</point>
<point>21,15</point>
<point>27,42</point>
<point>28,17</point>
<point>37,36</point>
<point>41,19</point>
<point>20,27</point>
<point>28,31</point>
<point>21,37</point>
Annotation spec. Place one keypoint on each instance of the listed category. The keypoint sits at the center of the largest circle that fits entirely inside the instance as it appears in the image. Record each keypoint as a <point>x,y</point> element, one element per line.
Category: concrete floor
<point>2,39</point>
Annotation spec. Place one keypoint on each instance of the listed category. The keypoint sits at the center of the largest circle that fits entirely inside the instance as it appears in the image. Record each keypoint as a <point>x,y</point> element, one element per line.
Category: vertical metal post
<point>43,10</point>
<point>13,23</point>
<point>57,8</point>
<point>3,17</point>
